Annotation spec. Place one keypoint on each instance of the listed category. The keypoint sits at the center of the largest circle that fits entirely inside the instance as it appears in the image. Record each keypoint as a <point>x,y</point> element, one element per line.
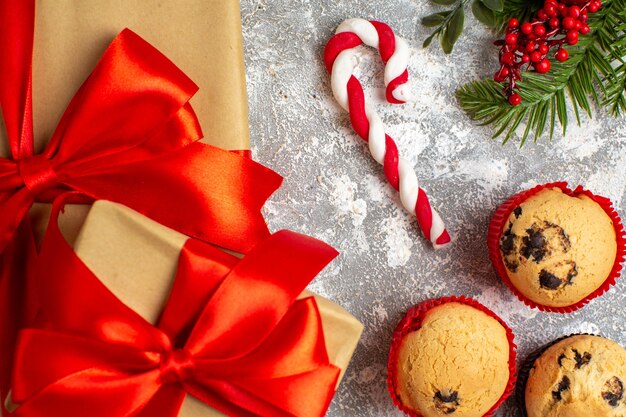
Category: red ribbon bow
<point>130,136</point>
<point>232,335</point>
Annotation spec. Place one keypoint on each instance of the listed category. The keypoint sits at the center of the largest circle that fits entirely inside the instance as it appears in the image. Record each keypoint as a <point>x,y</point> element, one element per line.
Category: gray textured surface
<point>333,190</point>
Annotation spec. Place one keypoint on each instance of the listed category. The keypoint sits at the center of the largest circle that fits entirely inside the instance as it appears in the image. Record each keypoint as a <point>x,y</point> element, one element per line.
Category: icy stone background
<point>333,190</point>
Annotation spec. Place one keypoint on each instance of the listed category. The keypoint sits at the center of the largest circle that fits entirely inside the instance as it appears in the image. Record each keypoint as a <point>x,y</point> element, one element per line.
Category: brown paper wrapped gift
<point>202,37</point>
<point>136,258</point>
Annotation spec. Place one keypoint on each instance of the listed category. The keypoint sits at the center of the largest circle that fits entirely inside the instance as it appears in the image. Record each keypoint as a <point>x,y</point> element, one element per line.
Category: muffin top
<point>581,376</point>
<point>558,249</point>
<point>455,363</point>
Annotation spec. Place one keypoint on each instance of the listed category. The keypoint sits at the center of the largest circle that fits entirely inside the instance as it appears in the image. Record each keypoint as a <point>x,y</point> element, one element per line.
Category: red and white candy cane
<point>341,60</point>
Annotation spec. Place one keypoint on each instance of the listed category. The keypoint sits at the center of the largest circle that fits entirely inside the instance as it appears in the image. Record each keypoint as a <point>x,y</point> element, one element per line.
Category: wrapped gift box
<point>202,37</point>
<point>136,258</point>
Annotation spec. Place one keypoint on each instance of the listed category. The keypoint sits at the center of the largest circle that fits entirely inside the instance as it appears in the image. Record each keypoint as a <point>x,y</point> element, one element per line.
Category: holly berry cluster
<point>529,43</point>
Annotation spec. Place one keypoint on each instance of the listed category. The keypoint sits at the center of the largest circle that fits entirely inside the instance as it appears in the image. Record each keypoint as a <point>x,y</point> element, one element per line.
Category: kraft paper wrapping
<point>202,37</point>
<point>136,258</point>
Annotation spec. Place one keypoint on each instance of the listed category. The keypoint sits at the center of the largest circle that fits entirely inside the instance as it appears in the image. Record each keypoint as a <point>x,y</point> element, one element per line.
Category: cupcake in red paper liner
<point>580,375</point>
<point>451,356</point>
<point>557,248</point>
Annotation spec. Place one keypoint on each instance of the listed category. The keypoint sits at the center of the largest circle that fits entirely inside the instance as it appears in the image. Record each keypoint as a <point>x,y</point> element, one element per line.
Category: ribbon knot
<point>177,366</point>
<point>38,174</point>
<point>247,345</point>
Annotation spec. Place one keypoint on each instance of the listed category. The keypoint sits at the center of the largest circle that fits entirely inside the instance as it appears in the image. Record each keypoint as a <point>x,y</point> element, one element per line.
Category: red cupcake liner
<point>501,216</point>
<point>412,321</point>
<point>527,366</point>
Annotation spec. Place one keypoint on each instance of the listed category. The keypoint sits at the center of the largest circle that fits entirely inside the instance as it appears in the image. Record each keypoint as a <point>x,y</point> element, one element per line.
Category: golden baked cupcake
<point>579,376</point>
<point>555,247</point>
<point>451,356</point>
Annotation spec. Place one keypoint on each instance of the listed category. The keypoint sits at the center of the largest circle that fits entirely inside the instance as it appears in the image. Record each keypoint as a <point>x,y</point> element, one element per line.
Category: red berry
<point>584,29</point>
<point>525,58</point>
<point>562,55</point>
<point>513,23</point>
<point>508,58</point>
<point>527,28</point>
<point>574,12</point>
<point>572,37</point>
<point>543,66</point>
<point>536,56</point>
<point>554,23</point>
<point>577,25</point>
<point>550,9</point>
<point>543,49</point>
<point>539,30</point>
<point>593,7</point>
<point>583,17</point>
<point>542,15</point>
<point>511,39</point>
<point>530,46</point>
<point>561,7</point>
<point>569,23</point>
<point>501,75</point>
<point>515,99</point>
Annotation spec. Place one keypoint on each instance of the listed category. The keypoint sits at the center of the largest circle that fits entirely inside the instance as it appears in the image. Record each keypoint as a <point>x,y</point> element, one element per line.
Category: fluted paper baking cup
<point>412,321</point>
<point>527,365</point>
<point>498,223</point>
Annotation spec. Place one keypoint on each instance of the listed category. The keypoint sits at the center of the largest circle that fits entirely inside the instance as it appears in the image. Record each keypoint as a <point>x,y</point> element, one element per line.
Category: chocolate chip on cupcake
<point>557,248</point>
<point>451,357</point>
<point>579,376</point>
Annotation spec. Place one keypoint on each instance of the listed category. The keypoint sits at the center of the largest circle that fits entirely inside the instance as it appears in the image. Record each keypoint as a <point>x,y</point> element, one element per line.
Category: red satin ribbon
<point>232,334</point>
<point>129,135</point>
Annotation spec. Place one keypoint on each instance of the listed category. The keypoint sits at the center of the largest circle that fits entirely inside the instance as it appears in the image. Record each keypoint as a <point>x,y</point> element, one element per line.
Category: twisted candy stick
<point>341,61</point>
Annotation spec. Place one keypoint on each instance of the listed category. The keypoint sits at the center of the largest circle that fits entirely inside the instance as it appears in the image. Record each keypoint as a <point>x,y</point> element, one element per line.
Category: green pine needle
<point>597,62</point>
<point>615,85</point>
<point>616,91</point>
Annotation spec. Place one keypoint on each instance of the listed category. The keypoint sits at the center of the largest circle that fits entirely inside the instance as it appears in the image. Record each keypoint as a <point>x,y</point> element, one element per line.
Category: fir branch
<point>616,91</point>
<point>615,86</point>
<point>544,101</point>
